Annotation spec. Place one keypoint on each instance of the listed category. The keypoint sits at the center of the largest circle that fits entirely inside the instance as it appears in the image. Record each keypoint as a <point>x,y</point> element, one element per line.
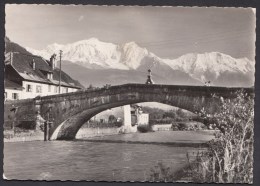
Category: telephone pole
<point>60,73</point>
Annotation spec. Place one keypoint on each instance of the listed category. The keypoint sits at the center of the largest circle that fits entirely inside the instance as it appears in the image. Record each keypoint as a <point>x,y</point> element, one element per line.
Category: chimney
<point>33,64</point>
<point>53,62</point>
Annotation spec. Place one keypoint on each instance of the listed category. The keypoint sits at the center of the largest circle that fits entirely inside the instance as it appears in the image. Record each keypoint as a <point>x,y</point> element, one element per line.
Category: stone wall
<point>94,132</point>
<point>25,112</point>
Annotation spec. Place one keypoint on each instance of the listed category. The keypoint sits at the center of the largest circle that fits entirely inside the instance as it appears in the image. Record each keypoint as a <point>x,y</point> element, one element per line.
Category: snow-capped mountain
<point>213,66</point>
<point>97,53</point>
<point>210,65</point>
<point>94,52</point>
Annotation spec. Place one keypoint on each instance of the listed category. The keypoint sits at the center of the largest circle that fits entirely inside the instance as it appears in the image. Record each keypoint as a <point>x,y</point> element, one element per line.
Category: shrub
<point>182,126</point>
<point>230,155</point>
<point>144,128</point>
<point>174,127</point>
<point>119,124</point>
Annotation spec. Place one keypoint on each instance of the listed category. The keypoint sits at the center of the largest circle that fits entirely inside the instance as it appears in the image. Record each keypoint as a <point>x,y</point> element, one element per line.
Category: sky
<point>168,32</point>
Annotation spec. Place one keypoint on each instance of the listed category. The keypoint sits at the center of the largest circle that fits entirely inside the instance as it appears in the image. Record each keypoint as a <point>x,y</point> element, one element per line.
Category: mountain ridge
<point>201,67</point>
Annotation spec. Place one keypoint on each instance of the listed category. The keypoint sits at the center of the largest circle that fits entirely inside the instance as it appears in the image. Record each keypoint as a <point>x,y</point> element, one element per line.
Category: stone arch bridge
<point>70,111</point>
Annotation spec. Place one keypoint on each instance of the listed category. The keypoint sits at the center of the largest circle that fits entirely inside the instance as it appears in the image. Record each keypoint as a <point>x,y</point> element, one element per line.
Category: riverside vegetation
<point>229,157</point>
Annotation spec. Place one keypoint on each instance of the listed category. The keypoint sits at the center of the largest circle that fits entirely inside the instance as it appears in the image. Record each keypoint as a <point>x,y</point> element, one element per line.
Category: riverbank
<point>114,135</point>
<point>30,135</point>
<point>160,137</point>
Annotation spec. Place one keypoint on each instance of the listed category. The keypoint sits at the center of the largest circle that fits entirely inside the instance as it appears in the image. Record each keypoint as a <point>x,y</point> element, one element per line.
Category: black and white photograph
<point>129,93</point>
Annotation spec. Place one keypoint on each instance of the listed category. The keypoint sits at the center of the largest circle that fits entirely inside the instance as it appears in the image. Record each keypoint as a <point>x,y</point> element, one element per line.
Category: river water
<point>96,160</point>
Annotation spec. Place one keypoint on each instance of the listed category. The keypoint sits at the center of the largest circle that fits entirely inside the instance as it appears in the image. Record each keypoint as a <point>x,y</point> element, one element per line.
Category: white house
<point>143,119</point>
<point>12,90</point>
<point>138,117</point>
<point>29,76</point>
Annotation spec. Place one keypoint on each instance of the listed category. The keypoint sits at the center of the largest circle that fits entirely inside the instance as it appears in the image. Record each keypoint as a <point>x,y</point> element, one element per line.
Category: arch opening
<point>153,114</point>
<point>68,129</point>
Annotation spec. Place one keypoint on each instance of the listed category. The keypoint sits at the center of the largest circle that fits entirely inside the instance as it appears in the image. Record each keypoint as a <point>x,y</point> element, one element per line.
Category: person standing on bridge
<point>39,122</point>
<point>149,77</point>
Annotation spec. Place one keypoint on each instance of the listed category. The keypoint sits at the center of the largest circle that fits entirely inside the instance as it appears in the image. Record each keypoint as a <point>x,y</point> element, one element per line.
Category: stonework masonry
<point>72,110</point>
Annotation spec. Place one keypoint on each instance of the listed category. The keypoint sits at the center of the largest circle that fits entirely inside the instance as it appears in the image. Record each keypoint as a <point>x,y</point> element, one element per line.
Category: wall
<point>127,127</point>
<point>143,119</point>
<point>26,110</point>
<point>92,132</point>
<point>32,94</point>
<point>54,89</point>
<point>162,127</point>
<point>9,93</point>
<point>72,89</point>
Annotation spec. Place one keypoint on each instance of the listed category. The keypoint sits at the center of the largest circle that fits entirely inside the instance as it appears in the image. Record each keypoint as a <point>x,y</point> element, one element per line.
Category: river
<point>98,160</point>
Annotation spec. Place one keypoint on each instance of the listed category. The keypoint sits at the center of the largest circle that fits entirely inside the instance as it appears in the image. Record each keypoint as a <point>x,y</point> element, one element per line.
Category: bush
<point>182,126</point>
<point>174,127</point>
<point>229,158</point>
<point>118,124</point>
<point>144,128</point>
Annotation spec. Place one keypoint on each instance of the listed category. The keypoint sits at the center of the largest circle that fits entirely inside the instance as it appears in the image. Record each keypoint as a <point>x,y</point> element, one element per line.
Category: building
<point>143,119</point>
<point>138,117</point>
<point>29,76</point>
<point>12,90</point>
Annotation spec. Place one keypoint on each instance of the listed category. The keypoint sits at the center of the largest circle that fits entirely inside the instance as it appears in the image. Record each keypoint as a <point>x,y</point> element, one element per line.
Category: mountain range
<point>95,62</point>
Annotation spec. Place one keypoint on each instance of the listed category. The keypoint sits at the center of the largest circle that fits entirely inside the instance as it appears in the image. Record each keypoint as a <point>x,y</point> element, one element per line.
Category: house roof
<point>12,85</point>
<point>22,63</point>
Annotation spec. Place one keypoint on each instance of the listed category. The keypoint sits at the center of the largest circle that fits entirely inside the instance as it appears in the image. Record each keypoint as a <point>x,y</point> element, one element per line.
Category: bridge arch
<point>71,126</point>
<point>74,109</point>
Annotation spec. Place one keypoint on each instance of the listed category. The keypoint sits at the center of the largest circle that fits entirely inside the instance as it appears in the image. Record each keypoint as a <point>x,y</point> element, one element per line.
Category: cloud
<point>80,18</point>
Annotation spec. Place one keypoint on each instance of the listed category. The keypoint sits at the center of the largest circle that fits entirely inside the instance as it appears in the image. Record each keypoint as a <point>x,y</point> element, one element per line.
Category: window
<point>50,76</point>
<point>49,88</point>
<point>56,89</point>
<point>15,95</point>
<point>38,89</point>
<point>65,90</point>
<point>29,88</point>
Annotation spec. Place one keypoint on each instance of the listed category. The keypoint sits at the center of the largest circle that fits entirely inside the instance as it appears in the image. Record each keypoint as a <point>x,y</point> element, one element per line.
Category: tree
<point>90,87</point>
<point>180,113</point>
<point>170,114</point>
<point>111,119</point>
